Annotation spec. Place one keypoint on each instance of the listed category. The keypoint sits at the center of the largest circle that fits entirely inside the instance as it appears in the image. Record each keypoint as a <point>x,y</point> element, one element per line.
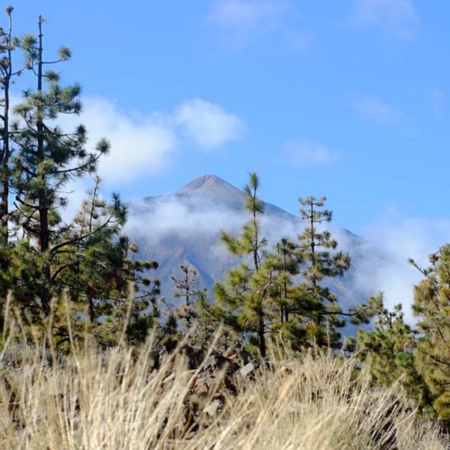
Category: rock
<point>213,407</point>
<point>247,369</point>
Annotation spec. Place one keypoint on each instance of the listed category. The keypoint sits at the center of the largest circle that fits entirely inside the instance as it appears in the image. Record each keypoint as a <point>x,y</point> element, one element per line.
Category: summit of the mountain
<point>212,186</point>
<point>208,191</point>
<point>206,182</point>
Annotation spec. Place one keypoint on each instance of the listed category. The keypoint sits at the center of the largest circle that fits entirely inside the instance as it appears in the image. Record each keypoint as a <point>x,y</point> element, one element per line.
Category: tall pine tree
<point>243,300</point>
<point>89,258</point>
<point>313,311</point>
<point>320,261</point>
<point>7,75</point>
<point>45,160</point>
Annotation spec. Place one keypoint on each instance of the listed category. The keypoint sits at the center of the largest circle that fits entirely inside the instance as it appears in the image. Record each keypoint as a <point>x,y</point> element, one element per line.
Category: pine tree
<point>243,301</point>
<point>287,267</point>
<point>102,281</point>
<point>88,259</point>
<point>314,310</point>
<point>46,158</point>
<point>388,351</point>
<point>432,307</point>
<point>8,74</point>
<point>281,292</point>
<point>186,288</point>
<point>320,261</point>
<point>287,299</point>
<point>185,318</point>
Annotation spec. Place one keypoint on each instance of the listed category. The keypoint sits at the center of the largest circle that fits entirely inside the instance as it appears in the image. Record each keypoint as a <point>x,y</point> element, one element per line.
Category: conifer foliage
<point>432,307</point>
<point>243,300</point>
<point>309,312</point>
<point>319,262</point>
<point>45,159</point>
<point>7,75</point>
<point>282,292</point>
<point>89,258</point>
<point>98,271</point>
<point>388,351</point>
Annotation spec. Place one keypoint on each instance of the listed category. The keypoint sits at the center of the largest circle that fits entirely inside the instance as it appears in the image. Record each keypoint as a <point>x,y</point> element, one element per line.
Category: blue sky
<point>347,99</point>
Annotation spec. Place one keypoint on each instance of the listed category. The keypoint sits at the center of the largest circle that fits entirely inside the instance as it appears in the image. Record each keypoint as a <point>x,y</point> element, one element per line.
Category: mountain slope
<point>184,227</point>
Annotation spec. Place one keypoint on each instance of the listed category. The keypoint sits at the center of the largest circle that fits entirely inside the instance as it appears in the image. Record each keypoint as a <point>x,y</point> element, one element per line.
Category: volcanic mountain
<point>184,228</point>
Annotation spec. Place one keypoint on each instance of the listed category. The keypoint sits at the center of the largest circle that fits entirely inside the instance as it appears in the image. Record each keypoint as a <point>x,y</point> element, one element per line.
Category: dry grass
<point>116,400</point>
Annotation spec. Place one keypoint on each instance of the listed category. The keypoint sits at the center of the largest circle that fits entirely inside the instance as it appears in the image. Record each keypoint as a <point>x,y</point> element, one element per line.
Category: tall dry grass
<point>116,400</point>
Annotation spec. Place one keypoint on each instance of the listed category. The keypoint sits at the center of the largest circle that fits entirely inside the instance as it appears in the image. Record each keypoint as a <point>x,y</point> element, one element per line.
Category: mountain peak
<point>212,186</point>
<point>205,182</point>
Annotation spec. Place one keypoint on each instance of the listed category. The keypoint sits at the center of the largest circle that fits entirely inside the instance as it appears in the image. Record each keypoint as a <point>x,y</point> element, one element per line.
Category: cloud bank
<point>402,238</point>
<point>379,262</point>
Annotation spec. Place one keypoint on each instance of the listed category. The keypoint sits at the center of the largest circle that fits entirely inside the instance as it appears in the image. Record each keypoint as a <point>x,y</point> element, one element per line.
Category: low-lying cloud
<point>402,238</point>
<point>379,260</point>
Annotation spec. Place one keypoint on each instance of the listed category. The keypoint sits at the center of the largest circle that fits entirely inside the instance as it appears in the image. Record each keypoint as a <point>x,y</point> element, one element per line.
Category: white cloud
<point>401,238</point>
<point>142,144</point>
<point>240,21</point>
<point>247,15</point>
<point>169,216</point>
<point>188,227</point>
<point>208,125</point>
<point>377,110</point>
<point>139,144</point>
<point>198,219</point>
<point>145,144</point>
<point>307,154</point>
<point>397,17</point>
